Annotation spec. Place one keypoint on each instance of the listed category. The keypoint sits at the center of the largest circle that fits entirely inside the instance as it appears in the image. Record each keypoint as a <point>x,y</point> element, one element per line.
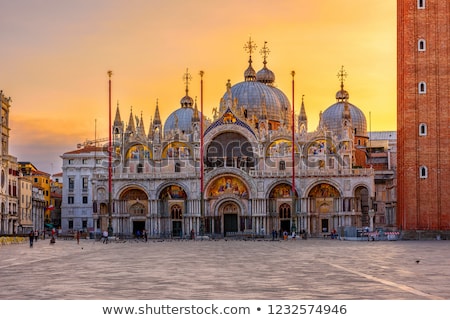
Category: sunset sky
<point>55,55</point>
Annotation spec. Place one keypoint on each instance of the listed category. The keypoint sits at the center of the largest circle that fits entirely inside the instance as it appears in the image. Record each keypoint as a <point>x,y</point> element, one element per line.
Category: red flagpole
<point>202,214</point>
<point>201,131</point>
<point>293,153</point>
<point>110,162</point>
<point>293,136</point>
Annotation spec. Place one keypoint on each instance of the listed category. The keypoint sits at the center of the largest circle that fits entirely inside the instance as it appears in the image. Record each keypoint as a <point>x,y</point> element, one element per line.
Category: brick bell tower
<point>423,117</point>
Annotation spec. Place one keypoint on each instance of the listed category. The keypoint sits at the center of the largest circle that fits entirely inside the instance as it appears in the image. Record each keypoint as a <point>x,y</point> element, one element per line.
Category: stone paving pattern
<point>312,269</point>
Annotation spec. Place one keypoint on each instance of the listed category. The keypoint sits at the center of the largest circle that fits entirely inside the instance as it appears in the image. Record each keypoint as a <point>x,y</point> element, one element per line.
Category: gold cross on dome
<point>187,78</point>
<point>264,51</point>
<point>342,74</point>
<point>250,46</point>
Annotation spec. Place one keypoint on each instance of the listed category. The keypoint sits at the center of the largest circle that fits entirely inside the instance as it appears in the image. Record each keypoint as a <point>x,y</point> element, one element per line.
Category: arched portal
<point>362,203</point>
<point>133,207</point>
<point>230,211</point>
<point>323,206</point>
<point>172,206</point>
<point>281,203</point>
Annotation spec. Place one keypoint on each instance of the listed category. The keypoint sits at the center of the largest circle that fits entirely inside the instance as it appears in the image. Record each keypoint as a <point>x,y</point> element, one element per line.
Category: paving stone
<point>197,270</point>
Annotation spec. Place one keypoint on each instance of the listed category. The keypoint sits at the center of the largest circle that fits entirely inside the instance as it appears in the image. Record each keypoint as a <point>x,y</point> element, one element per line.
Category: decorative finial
<point>187,78</point>
<point>342,74</point>
<point>292,73</point>
<point>110,73</point>
<point>201,73</point>
<point>250,47</point>
<point>303,98</point>
<point>264,52</point>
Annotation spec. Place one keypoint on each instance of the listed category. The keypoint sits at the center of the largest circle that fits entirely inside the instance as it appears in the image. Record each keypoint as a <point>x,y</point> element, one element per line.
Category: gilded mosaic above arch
<point>282,190</point>
<point>176,150</point>
<point>173,192</point>
<point>227,185</point>
<point>280,147</point>
<point>324,190</point>
<point>138,152</point>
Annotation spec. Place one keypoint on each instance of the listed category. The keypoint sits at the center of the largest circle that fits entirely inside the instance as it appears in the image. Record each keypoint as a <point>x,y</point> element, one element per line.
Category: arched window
<point>421,45</point>
<point>140,168</point>
<point>285,211</point>
<point>137,209</point>
<point>423,172</point>
<point>282,165</point>
<point>175,212</point>
<point>177,167</point>
<point>422,129</point>
<point>421,4</point>
<point>422,87</point>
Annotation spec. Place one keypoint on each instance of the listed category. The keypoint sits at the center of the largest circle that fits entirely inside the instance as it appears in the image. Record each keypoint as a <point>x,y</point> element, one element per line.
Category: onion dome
<point>265,75</point>
<point>342,94</point>
<point>186,102</point>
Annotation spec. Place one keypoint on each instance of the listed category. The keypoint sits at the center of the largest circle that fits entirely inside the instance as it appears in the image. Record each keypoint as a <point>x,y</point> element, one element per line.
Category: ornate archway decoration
<point>227,185</point>
<point>138,152</point>
<point>176,150</point>
<point>172,192</point>
<point>281,147</point>
<point>324,190</point>
<point>282,190</point>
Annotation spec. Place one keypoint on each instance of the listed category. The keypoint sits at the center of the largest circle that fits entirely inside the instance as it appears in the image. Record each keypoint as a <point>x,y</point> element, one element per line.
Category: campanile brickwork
<point>423,98</point>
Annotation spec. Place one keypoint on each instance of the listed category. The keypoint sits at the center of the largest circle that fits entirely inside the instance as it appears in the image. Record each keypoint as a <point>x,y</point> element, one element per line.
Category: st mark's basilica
<point>255,179</point>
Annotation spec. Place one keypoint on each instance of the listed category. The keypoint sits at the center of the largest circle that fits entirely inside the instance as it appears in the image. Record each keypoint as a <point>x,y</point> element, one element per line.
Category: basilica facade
<point>251,169</point>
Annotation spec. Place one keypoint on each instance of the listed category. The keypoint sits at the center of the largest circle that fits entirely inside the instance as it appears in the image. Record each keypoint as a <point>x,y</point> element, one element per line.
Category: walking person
<point>105,236</point>
<point>78,237</point>
<point>145,235</point>
<point>31,236</point>
<point>274,234</point>
<point>36,235</point>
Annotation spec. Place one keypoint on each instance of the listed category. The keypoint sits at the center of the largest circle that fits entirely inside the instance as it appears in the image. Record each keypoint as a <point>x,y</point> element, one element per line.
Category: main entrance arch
<point>230,212</point>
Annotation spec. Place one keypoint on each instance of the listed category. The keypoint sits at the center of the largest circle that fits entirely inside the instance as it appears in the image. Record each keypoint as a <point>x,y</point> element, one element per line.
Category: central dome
<point>260,98</point>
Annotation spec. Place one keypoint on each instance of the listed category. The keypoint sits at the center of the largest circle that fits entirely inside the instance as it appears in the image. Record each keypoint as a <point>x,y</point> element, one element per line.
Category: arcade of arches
<point>230,210</point>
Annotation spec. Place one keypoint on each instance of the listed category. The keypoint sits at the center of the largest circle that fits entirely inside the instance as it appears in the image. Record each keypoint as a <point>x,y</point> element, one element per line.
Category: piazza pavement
<point>313,269</point>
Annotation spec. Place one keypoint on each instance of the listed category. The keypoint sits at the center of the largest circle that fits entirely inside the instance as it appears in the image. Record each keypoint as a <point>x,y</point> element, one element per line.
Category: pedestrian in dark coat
<point>31,236</point>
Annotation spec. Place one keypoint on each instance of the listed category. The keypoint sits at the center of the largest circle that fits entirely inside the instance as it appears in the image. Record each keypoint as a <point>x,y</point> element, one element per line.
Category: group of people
<point>35,234</point>
<point>285,235</point>
<point>142,234</point>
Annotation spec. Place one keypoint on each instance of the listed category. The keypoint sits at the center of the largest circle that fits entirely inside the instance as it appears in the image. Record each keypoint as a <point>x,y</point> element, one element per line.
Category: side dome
<point>181,119</point>
<point>332,118</point>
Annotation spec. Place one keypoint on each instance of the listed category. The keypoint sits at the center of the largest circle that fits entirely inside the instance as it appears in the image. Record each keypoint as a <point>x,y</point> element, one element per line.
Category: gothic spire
<point>117,119</point>
<point>131,126</point>
<point>157,118</point>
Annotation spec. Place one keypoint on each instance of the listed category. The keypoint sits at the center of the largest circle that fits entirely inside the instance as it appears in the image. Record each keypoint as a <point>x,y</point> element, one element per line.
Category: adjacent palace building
<point>253,168</point>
